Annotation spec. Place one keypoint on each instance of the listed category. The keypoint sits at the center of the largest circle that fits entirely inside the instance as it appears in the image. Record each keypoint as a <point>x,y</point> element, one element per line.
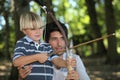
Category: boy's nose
<point>38,30</point>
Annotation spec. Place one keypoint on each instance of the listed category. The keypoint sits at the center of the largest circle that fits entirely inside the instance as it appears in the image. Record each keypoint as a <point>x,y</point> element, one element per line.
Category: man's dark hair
<point>51,27</point>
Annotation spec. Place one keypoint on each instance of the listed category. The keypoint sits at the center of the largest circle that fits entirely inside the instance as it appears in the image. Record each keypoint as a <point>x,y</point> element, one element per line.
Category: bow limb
<point>65,37</point>
<point>61,29</point>
<point>69,54</point>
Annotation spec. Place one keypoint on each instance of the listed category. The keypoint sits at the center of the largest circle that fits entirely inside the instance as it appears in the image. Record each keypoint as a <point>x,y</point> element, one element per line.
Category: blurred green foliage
<point>74,14</point>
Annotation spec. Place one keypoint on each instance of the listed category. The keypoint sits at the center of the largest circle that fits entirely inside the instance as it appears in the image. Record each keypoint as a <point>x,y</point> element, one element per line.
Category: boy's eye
<point>32,28</point>
<point>37,28</point>
<point>41,27</point>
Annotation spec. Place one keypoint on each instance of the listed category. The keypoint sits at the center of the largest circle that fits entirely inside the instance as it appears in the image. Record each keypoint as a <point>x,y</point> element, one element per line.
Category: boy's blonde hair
<point>30,20</point>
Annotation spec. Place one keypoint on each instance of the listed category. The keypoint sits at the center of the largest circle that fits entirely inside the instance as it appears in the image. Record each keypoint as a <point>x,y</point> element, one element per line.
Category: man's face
<point>57,41</point>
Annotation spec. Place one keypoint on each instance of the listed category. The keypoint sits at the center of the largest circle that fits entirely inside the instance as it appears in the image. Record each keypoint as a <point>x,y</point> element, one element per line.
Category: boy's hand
<point>71,63</point>
<point>42,57</point>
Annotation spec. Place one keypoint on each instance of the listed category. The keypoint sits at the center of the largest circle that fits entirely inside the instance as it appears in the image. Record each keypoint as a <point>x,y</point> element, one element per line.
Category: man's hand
<point>24,71</point>
<point>72,75</point>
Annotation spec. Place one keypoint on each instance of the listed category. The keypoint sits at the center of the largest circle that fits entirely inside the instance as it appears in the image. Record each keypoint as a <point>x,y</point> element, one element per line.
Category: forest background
<point>85,19</point>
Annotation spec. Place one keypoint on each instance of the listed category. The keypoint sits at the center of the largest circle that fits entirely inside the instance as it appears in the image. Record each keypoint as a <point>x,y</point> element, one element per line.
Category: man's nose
<point>59,42</point>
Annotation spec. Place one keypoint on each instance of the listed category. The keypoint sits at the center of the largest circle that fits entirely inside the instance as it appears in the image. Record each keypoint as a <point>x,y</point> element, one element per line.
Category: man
<point>53,35</point>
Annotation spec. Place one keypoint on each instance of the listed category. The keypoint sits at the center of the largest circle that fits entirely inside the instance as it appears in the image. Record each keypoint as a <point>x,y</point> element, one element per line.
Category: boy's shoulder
<point>22,40</point>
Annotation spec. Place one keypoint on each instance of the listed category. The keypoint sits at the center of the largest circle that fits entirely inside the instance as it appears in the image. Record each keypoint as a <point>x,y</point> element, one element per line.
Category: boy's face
<point>57,41</point>
<point>34,34</point>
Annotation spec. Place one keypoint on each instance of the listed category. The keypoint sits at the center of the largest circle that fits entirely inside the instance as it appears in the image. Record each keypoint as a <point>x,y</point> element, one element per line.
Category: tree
<point>7,38</point>
<point>49,6</point>
<point>19,7</point>
<point>6,13</point>
<point>94,25</point>
<point>112,56</point>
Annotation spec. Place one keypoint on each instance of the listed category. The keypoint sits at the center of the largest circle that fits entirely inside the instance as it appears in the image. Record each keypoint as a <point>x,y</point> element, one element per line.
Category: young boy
<point>31,51</point>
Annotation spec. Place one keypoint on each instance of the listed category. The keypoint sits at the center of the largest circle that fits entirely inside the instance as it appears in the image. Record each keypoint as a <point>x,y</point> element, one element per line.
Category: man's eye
<point>53,39</point>
<point>62,38</point>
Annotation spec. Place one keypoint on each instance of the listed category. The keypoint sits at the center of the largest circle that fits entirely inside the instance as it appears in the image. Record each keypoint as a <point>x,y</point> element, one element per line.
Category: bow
<point>65,38</point>
<point>69,56</point>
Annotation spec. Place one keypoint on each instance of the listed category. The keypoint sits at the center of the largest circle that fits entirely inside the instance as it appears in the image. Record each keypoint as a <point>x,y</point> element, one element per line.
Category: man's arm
<point>59,62</point>
<point>81,69</point>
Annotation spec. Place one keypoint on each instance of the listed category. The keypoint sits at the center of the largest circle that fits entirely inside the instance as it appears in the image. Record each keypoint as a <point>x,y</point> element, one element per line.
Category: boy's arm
<point>23,60</point>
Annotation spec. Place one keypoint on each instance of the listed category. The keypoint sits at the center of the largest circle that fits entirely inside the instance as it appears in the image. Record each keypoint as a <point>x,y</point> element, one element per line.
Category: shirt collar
<point>28,39</point>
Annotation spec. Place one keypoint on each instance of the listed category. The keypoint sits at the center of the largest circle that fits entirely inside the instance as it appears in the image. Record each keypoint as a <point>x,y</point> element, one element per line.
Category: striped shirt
<point>40,71</point>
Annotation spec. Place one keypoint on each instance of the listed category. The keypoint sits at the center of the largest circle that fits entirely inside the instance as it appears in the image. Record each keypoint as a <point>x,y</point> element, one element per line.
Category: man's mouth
<point>59,49</point>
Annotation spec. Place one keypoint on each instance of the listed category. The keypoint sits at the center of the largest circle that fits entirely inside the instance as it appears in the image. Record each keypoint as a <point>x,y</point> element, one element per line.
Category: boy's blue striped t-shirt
<point>40,71</point>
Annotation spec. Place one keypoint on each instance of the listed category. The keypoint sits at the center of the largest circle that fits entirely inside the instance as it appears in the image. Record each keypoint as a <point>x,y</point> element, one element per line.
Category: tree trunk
<point>94,25</point>
<point>20,6</point>
<point>112,56</point>
<point>48,4</point>
<point>7,36</point>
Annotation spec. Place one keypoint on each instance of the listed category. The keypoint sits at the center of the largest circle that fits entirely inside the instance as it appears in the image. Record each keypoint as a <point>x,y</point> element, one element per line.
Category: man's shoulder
<point>76,55</point>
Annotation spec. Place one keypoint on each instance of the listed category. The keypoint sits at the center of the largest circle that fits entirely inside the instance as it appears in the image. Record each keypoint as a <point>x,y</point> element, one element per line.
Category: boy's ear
<point>24,31</point>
